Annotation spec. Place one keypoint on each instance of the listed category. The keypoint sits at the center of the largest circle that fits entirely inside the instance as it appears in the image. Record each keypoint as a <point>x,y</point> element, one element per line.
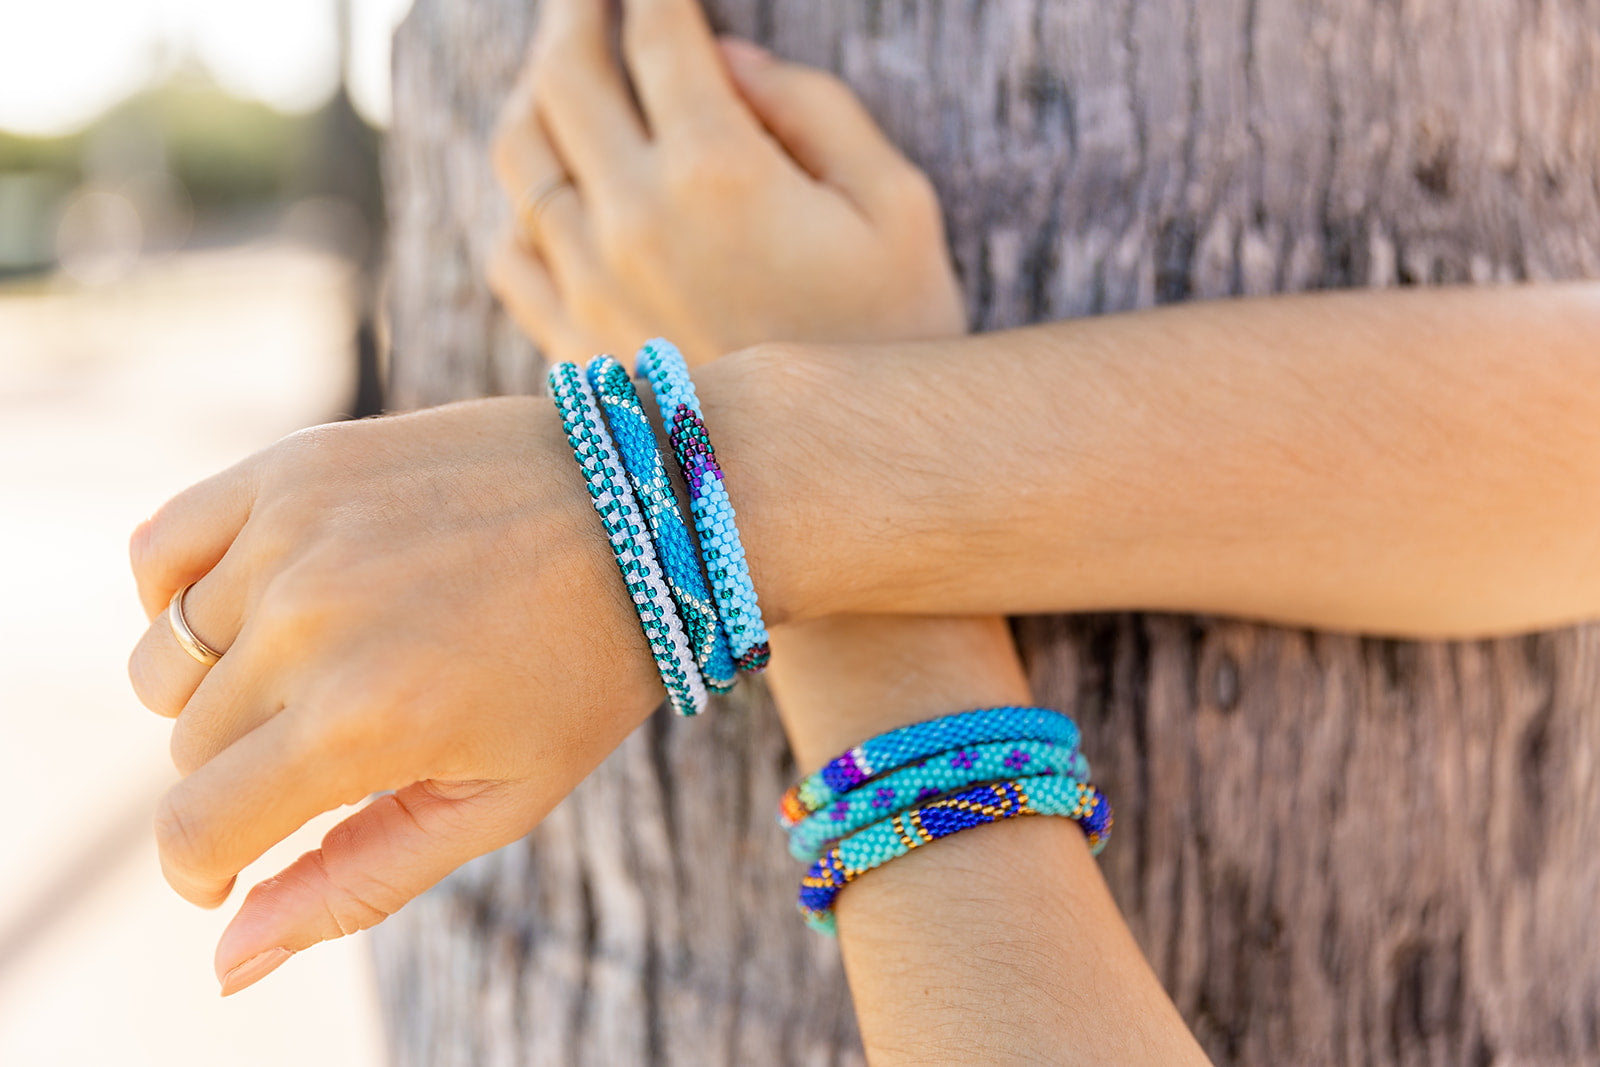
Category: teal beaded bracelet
<point>890,838</point>
<point>895,749</point>
<point>929,779</point>
<point>619,513</point>
<point>680,562</point>
<point>664,367</point>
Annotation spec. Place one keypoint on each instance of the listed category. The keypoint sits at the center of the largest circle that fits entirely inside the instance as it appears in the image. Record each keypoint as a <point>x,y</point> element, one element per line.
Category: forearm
<point>1000,944</point>
<point>1419,462</point>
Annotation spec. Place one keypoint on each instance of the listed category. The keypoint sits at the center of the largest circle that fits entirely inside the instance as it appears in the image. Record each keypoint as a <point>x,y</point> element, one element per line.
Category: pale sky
<point>62,62</point>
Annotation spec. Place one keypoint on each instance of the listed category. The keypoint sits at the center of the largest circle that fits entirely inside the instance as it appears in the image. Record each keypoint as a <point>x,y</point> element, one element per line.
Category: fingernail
<point>253,970</point>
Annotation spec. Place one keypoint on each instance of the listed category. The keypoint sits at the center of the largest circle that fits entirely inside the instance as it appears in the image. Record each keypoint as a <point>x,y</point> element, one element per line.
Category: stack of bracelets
<point>910,786</point>
<point>698,610</point>
<point>699,632</point>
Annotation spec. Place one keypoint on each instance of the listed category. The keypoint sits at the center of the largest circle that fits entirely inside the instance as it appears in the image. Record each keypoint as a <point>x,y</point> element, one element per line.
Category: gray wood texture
<point>1333,849</point>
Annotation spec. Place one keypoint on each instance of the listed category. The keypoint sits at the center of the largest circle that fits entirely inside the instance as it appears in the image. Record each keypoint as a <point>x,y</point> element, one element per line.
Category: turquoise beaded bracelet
<point>641,459</point>
<point>895,749</point>
<point>625,528</point>
<point>890,838</point>
<point>929,779</point>
<point>663,366</point>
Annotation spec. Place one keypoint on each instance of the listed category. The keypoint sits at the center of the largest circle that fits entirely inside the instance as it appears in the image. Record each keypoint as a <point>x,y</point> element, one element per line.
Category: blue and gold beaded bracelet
<point>890,838</point>
<point>929,779</point>
<point>647,475</point>
<point>663,366</point>
<point>624,524</point>
<point>896,748</point>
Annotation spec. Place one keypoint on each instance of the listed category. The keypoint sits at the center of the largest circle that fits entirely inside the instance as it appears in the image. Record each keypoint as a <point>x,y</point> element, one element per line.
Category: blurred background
<point>191,227</point>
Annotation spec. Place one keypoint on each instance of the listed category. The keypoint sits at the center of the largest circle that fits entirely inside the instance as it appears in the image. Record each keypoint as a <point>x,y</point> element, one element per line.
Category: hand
<point>749,200</point>
<point>423,603</point>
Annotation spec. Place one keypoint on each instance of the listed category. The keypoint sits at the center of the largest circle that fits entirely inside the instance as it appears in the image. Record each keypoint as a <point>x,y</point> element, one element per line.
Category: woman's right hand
<point>746,199</point>
<point>424,603</point>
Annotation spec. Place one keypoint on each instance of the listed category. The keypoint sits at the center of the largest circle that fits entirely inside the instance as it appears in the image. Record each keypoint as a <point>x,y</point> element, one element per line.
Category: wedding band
<point>537,197</point>
<point>186,637</point>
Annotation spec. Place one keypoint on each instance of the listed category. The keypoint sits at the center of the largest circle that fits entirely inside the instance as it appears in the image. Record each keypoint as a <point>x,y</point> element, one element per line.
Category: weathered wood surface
<point>1333,849</point>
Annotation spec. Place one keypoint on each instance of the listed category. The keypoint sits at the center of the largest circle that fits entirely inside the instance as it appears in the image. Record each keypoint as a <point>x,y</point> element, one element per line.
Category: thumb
<point>369,865</point>
<point>819,121</point>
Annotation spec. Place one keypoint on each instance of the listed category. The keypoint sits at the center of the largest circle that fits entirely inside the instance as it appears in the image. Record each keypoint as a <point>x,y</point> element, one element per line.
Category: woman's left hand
<point>744,199</point>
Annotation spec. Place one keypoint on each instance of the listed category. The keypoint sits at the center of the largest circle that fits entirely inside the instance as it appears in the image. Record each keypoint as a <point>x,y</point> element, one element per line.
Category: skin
<point>439,577</point>
<point>1418,463</point>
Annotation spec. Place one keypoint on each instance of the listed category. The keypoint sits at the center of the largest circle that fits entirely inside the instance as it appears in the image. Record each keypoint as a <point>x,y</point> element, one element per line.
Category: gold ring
<point>186,637</point>
<point>536,199</point>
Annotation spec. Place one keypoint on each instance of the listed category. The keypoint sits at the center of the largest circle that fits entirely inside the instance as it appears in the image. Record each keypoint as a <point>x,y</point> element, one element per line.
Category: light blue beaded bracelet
<point>892,750</point>
<point>927,780</point>
<point>663,366</point>
<point>625,528</point>
<point>641,459</point>
<point>893,837</point>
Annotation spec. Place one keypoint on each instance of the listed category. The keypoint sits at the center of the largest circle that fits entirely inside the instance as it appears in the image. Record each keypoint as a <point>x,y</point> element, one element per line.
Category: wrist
<point>560,523</point>
<point>841,680</point>
<point>767,413</point>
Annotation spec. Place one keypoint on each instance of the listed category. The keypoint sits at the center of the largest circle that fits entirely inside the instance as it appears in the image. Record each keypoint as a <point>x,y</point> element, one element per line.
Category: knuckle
<point>180,840</point>
<point>308,446</point>
<point>913,195</point>
<point>147,547</point>
<point>275,532</point>
<point>361,899</point>
<point>352,915</point>
<point>141,543</point>
<point>299,600</point>
<point>553,74</point>
<point>146,680</point>
<point>188,753</point>
<point>353,910</point>
<point>711,165</point>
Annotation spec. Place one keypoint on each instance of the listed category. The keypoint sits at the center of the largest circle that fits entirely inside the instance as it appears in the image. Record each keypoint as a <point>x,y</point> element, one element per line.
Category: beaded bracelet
<point>928,779</point>
<point>625,528</point>
<point>893,837</point>
<point>663,366</point>
<point>893,750</point>
<point>641,459</point>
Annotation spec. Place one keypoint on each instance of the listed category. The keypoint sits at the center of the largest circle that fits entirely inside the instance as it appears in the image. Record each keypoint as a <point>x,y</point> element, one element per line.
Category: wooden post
<point>1333,849</point>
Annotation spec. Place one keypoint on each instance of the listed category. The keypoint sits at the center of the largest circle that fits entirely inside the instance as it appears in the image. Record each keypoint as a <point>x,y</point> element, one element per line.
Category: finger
<point>819,121</point>
<point>258,791</point>
<point>368,867</point>
<point>232,700</point>
<point>582,93</point>
<point>526,290</point>
<point>507,147</point>
<point>163,673</point>
<point>189,533</point>
<point>673,58</point>
<point>555,222</point>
